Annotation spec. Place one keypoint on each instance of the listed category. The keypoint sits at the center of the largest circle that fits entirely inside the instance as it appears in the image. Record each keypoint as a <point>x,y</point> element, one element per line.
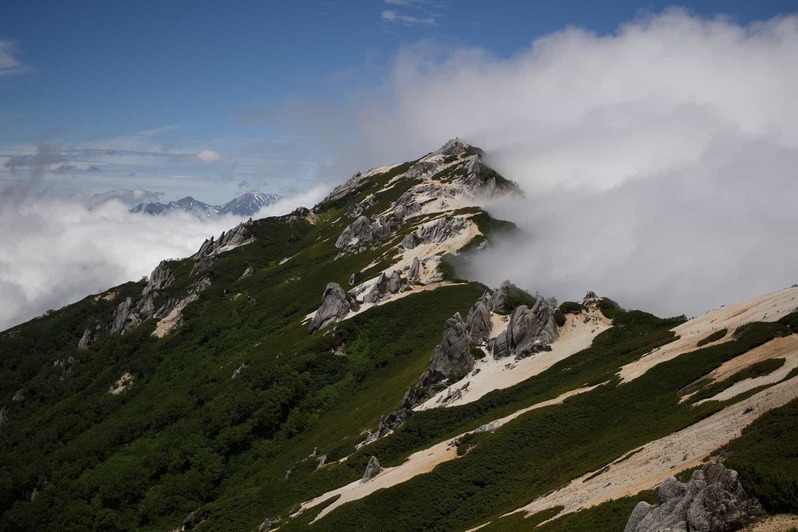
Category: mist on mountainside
<point>658,162</point>
<point>62,249</point>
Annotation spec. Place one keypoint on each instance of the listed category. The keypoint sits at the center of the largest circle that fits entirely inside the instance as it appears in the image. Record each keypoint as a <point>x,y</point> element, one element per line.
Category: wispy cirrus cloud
<point>390,15</point>
<point>10,64</point>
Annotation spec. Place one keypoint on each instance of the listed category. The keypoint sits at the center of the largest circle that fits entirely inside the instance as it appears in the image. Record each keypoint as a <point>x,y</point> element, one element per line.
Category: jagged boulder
<point>145,307</point>
<point>442,229</point>
<point>530,329</point>
<point>3,415</point>
<point>500,302</point>
<point>247,273</point>
<point>335,305</point>
<point>415,270</point>
<point>372,469</point>
<point>358,232</point>
<point>394,282</point>
<point>391,422</point>
<point>86,340</point>
<point>452,359</point>
<point>712,501</point>
<point>125,318</point>
<point>235,237</point>
<point>160,278</point>
<point>408,242</point>
<point>478,322</point>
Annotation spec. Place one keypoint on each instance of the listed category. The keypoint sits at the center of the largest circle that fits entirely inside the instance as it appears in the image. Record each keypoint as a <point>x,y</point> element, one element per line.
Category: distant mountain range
<point>246,205</point>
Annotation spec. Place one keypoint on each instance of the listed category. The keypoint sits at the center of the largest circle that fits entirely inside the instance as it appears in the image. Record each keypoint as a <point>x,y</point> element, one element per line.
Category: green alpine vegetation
<point>231,388</point>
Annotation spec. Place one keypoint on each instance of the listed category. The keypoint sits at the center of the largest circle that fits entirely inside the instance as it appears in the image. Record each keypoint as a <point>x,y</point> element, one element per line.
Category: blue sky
<point>200,97</point>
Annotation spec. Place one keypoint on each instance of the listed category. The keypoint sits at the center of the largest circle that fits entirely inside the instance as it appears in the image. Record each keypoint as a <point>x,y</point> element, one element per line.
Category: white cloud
<point>9,61</point>
<point>658,161</point>
<point>390,15</point>
<point>212,156</point>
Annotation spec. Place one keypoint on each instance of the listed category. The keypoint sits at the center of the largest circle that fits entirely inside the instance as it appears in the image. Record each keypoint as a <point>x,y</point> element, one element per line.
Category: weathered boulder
<point>3,415</point>
<point>202,264</point>
<point>145,307</point>
<point>415,270</point>
<point>442,229</point>
<point>530,330</point>
<point>125,318</point>
<point>478,322</point>
<point>356,233</point>
<point>452,359</point>
<point>408,242</point>
<point>160,278</point>
<point>86,340</point>
<point>712,501</point>
<point>500,303</point>
<point>334,305</point>
<point>372,469</point>
<point>391,422</point>
<point>247,273</point>
<point>395,282</point>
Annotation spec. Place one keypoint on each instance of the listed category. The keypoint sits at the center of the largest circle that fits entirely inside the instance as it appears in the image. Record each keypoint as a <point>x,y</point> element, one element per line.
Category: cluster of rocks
<point>336,303</point>
<point>712,501</point>
<point>530,329</point>
<point>363,231</point>
<point>235,237</point>
<point>357,209</point>
<point>131,313</point>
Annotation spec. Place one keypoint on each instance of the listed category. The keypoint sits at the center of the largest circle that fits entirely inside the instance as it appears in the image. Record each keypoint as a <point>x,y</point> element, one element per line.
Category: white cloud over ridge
<point>57,251</point>
<point>658,161</point>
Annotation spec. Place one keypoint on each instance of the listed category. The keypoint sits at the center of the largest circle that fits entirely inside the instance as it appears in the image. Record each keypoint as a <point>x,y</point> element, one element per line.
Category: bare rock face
<point>415,270</point>
<point>452,359</point>
<point>87,339</point>
<point>160,278</point>
<point>247,273</point>
<point>235,237</point>
<point>358,232</point>
<point>335,305</point>
<point>478,322</point>
<point>442,229</point>
<point>712,501</point>
<point>530,330</point>
<point>125,319</point>
<point>395,282</point>
<point>372,469</point>
<point>500,303</point>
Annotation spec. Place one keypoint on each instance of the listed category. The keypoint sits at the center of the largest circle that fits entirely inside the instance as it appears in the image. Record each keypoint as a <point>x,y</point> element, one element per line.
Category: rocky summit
<point>331,369</point>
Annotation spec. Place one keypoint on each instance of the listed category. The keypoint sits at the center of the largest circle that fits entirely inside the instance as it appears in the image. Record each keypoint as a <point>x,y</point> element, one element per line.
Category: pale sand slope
<point>786,348</point>
<point>576,335</point>
<point>667,456</point>
<point>769,307</point>
<point>417,463</point>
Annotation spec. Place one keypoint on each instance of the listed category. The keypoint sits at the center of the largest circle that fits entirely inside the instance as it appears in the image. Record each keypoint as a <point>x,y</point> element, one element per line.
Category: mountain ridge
<point>251,385</point>
<point>246,205</point>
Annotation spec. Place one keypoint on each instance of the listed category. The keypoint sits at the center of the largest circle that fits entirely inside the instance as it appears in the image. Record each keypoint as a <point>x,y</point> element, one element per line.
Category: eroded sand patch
<point>769,307</point>
<point>418,463</point>
<point>661,458</point>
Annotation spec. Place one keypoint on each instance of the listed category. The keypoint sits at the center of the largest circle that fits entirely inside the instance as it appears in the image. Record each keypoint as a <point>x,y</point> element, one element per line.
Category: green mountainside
<point>211,396</point>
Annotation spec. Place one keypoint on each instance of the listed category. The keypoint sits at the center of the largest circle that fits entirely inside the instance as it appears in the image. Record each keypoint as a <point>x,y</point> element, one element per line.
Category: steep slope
<point>328,366</point>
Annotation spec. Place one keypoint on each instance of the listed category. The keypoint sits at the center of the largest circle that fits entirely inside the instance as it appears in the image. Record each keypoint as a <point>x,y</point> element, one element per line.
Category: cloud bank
<point>57,251</point>
<point>659,162</point>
